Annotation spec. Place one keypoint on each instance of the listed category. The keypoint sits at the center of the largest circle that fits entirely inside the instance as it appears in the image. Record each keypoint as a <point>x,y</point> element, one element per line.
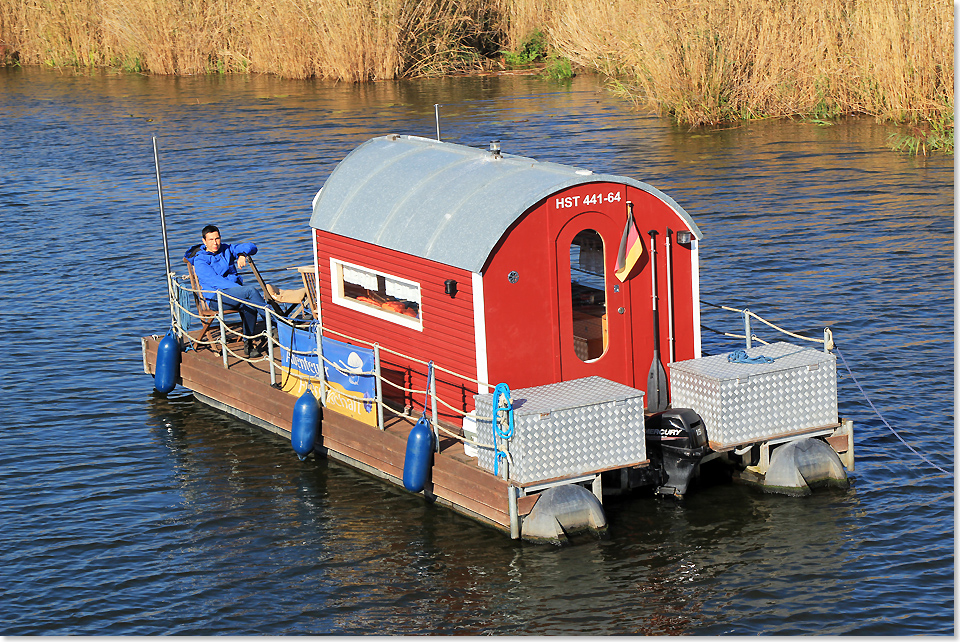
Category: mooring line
<point>863,392</point>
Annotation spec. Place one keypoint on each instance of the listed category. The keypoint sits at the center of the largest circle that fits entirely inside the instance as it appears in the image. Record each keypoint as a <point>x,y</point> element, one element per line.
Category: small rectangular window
<point>380,295</point>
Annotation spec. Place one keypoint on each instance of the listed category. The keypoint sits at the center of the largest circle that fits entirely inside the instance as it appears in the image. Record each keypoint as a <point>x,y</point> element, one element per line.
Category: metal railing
<point>749,337</point>
<point>183,316</point>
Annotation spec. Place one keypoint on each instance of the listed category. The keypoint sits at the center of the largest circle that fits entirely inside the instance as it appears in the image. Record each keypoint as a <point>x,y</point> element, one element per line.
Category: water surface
<point>127,513</point>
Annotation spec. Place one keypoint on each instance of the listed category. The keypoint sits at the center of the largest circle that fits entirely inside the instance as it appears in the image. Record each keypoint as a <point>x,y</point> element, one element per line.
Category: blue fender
<point>305,424</point>
<point>168,364</point>
<point>419,456</point>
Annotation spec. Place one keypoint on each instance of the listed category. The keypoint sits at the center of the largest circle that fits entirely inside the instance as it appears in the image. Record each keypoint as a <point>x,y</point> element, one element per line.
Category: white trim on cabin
<point>316,270</point>
<point>336,290</point>
<point>695,293</point>
<point>480,331</point>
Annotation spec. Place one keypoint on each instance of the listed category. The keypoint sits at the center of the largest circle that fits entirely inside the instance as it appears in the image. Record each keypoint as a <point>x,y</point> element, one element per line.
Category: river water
<point>127,513</point>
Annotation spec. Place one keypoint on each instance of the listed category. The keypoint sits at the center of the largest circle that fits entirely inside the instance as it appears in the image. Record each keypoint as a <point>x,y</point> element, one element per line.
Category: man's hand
<point>241,261</point>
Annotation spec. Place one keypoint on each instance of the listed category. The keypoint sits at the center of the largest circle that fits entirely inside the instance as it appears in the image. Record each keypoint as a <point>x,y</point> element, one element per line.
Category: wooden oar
<point>657,378</point>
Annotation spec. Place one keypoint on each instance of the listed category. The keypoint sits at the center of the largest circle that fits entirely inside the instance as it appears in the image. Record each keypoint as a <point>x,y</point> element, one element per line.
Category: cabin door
<point>592,303</point>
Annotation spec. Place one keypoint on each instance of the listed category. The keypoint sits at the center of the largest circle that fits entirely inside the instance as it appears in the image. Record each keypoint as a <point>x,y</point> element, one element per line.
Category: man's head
<point>211,238</point>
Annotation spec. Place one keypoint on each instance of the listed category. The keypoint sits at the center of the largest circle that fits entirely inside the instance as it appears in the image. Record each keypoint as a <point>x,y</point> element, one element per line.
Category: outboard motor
<point>679,439</point>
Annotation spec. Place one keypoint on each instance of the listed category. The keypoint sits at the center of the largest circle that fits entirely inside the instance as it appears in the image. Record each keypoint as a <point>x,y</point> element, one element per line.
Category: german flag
<point>631,247</point>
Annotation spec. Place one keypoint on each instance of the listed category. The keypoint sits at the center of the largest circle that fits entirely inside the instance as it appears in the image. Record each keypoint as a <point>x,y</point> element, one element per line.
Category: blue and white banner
<point>349,390</point>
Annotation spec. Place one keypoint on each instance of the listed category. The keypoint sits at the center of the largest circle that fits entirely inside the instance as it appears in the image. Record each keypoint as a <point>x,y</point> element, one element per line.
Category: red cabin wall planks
<point>652,213</point>
<point>520,317</point>
<point>447,336</point>
<point>523,325</point>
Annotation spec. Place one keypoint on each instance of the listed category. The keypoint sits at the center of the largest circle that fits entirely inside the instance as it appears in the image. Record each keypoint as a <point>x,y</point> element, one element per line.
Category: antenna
<point>436,111</point>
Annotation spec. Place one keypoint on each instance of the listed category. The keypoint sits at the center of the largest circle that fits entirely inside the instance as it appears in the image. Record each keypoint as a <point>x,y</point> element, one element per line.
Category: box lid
<point>565,395</point>
<point>786,356</point>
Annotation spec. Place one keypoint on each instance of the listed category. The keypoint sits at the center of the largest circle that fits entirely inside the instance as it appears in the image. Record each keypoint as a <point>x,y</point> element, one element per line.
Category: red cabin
<point>499,268</point>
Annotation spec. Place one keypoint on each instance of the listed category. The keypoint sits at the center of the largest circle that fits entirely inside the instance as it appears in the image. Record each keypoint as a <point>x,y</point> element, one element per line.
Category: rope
<point>884,420</point>
<point>762,320</point>
<point>505,434</point>
<point>740,356</point>
<point>735,336</point>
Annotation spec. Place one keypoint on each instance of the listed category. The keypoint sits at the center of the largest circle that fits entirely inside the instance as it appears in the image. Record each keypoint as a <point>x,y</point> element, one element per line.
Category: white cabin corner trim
<point>480,332</point>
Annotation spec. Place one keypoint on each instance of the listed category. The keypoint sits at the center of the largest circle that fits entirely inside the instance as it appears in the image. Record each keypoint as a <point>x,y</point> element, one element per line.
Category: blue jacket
<point>218,271</point>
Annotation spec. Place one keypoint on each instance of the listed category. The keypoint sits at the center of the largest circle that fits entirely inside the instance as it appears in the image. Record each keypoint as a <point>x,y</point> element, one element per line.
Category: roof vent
<point>495,148</point>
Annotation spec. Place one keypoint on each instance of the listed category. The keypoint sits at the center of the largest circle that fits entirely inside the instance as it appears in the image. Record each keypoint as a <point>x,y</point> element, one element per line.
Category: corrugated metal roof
<point>441,201</point>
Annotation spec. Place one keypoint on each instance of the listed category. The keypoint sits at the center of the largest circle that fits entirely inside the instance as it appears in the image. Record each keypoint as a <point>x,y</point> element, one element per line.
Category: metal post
<point>376,368</point>
<point>436,111</point>
<point>433,406</point>
<point>746,327</point>
<point>163,228</point>
<point>223,328</point>
<point>514,513</point>
<point>273,374</point>
<point>323,381</point>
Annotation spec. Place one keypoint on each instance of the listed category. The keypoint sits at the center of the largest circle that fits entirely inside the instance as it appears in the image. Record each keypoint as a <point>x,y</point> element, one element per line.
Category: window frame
<point>336,289</point>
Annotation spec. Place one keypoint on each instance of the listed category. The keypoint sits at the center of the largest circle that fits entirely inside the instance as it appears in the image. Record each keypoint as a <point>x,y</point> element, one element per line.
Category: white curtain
<point>363,278</point>
<point>403,291</point>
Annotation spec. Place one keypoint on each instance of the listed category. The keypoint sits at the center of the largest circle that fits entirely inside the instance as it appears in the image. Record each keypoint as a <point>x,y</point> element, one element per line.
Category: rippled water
<point>127,513</point>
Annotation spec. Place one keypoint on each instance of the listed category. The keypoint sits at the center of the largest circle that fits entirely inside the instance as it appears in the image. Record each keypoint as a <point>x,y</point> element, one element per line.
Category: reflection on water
<point>125,513</point>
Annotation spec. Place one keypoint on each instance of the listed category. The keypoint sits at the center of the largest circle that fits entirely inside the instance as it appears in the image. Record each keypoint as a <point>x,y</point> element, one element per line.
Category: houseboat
<point>512,339</point>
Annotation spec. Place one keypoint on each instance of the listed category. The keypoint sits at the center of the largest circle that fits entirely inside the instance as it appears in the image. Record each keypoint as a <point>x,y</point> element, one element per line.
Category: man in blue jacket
<point>216,264</point>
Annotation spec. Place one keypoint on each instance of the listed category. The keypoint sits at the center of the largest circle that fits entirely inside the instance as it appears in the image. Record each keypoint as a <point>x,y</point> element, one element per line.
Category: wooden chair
<point>309,275</point>
<point>206,313</point>
<point>267,296</point>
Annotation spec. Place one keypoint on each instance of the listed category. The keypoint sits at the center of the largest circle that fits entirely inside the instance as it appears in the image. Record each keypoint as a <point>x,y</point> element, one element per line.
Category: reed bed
<point>351,40</point>
<point>714,61</point>
<point>701,61</point>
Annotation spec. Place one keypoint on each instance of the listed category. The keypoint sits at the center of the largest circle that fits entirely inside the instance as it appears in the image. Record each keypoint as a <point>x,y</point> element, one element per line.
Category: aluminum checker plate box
<point>566,429</point>
<point>744,403</point>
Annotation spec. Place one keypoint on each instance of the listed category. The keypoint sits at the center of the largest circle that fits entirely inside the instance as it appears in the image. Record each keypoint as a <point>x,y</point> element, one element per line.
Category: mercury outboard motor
<point>679,439</point>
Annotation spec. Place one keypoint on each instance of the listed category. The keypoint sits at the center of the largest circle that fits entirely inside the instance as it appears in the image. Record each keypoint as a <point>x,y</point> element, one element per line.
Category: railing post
<point>174,298</point>
<point>376,369</point>
<point>318,332</point>
<point>223,328</point>
<point>269,319</point>
<point>514,513</point>
<point>746,327</point>
<point>433,406</point>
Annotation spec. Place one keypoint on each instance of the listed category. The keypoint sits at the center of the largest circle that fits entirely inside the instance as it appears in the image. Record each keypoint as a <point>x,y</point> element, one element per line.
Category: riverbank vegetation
<point>701,62</point>
<point>353,40</point>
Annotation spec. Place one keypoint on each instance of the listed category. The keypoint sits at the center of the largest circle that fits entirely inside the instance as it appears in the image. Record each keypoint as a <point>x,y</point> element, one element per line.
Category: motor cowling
<point>678,438</point>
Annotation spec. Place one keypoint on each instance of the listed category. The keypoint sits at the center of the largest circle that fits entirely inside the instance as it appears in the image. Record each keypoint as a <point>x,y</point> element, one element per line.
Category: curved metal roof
<point>441,201</point>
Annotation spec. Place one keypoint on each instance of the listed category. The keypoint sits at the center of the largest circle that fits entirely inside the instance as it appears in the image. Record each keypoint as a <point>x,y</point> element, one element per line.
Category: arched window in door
<point>588,292</point>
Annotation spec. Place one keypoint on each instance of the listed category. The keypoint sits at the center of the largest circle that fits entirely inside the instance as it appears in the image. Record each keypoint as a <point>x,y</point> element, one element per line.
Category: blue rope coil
<point>740,356</point>
<point>501,390</point>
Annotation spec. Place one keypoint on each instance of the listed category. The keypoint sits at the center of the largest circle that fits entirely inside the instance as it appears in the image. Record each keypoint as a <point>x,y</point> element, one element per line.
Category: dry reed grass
<point>343,40</point>
<point>708,61</point>
<point>701,61</point>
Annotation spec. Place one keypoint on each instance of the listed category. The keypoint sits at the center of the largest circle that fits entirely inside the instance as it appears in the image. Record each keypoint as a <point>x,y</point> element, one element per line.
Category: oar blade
<point>657,392</point>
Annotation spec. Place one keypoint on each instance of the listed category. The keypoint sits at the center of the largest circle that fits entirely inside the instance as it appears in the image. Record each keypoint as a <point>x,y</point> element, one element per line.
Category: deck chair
<point>268,294</point>
<point>206,313</point>
<point>308,274</point>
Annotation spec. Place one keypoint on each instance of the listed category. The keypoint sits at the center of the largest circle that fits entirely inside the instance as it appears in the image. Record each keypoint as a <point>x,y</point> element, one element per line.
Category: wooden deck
<point>243,389</point>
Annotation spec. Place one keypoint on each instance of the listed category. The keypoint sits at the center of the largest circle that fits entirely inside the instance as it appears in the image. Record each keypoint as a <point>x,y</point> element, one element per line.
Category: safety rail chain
<point>182,316</point>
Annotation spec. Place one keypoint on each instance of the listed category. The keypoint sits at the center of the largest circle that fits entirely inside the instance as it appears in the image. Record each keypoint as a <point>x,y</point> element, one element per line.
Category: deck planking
<point>244,388</point>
